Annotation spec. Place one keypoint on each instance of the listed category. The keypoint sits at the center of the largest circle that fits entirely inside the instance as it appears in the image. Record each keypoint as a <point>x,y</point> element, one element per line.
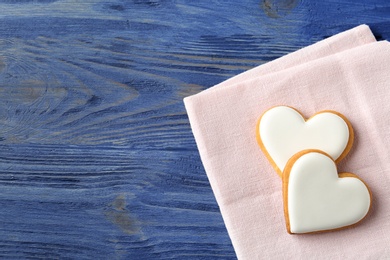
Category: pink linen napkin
<point>348,73</point>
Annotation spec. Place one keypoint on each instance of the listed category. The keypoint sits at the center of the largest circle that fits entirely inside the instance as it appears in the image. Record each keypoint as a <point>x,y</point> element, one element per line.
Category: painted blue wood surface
<point>97,159</point>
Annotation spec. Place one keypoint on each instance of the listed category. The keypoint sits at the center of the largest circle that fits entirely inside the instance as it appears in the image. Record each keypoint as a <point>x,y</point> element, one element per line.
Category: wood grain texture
<point>97,159</point>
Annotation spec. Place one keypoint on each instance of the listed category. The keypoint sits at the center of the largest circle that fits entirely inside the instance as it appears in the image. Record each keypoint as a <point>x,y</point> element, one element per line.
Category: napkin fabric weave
<point>348,73</point>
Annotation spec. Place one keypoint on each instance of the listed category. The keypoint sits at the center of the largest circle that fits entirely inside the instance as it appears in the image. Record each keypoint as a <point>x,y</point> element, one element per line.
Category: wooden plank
<point>97,159</point>
<point>93,201</point>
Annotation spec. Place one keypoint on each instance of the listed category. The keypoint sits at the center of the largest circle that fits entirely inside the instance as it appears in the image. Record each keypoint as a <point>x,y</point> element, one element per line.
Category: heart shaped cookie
<point>282,132</point>
<point>318,199</point>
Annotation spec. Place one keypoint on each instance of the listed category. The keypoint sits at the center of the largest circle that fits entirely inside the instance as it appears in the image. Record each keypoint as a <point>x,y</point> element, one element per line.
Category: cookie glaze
<point>282,132</point>
<point>317,198</point>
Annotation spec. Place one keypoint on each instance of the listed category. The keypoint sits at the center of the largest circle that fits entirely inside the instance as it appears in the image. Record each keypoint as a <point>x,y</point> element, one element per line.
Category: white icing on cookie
<point>283,132</point>
<point>319,200</point>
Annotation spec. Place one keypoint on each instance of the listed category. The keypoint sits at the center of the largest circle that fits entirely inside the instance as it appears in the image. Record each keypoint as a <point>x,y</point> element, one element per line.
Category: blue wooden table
<point>97,158</point>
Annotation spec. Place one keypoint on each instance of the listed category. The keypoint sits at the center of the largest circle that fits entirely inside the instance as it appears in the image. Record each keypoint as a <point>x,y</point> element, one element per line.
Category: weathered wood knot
<point>277,8</point>
<point>118,214</point>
